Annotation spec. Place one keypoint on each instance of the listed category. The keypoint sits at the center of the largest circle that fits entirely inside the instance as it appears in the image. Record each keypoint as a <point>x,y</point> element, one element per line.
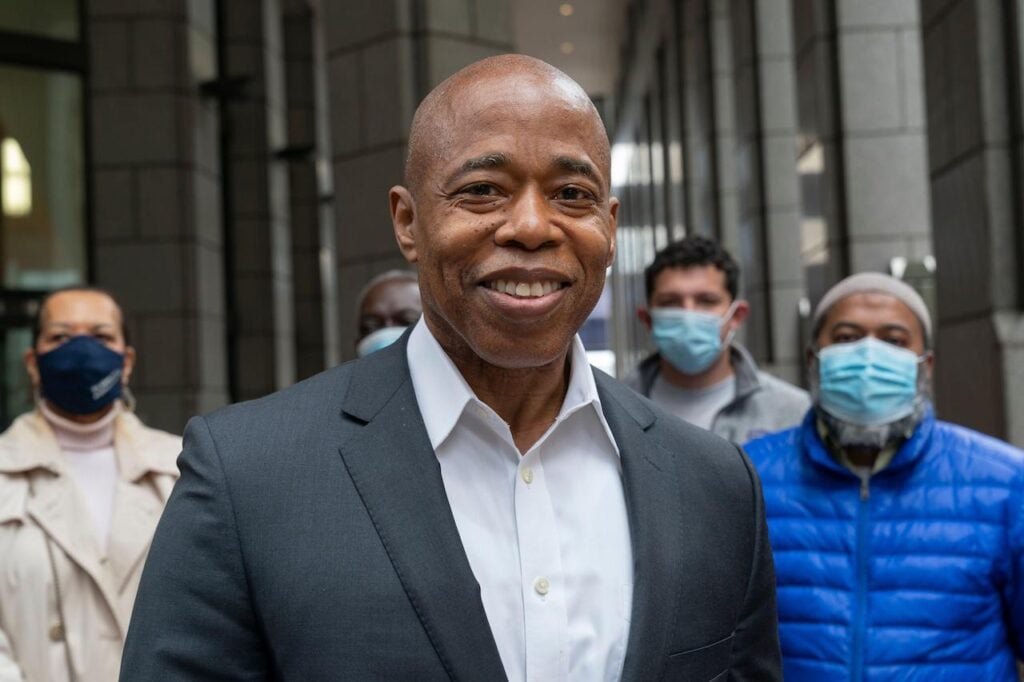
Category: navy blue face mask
<point>81,376</point>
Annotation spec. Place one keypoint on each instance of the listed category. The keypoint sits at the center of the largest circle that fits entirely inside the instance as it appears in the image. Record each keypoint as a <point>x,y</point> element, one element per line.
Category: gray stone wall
<point>156,202</point>
<point>974,148</point>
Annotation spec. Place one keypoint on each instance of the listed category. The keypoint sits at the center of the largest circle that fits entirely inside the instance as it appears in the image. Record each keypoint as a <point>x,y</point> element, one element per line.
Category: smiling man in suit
<point>473,502</point>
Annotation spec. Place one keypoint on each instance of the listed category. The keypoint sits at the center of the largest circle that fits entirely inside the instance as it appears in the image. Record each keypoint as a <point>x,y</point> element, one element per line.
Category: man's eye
<point>896,341</point>
<point>574,194</point>
<point>480,190</point>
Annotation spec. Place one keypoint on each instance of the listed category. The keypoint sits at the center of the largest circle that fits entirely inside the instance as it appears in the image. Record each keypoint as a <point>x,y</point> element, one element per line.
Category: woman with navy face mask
<point>82,485</point>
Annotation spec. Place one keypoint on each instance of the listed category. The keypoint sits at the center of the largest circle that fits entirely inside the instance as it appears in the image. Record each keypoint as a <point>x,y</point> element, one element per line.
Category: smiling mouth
<point>525,289</point>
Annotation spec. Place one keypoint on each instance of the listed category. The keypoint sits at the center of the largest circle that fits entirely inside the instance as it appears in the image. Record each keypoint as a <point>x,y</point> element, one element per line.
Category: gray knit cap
<point>875,282</point>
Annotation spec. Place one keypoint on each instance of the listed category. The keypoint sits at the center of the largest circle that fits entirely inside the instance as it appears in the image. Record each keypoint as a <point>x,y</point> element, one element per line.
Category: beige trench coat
<point>42,515</point>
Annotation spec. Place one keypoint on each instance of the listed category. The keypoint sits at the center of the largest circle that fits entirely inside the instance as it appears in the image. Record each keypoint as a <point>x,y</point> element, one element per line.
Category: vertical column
<point>973,82</point>
<point>382,57</point>
<point>260,276</point>
<point>724,108</point>
<point>769,227</point>
<point>819,147</point>
<point>698,107</point>
<point>883,136</point>
<point>305,197</point>
<point>156,210</point>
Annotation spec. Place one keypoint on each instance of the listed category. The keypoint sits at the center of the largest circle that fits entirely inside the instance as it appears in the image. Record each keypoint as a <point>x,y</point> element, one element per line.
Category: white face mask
<point>381,338</point>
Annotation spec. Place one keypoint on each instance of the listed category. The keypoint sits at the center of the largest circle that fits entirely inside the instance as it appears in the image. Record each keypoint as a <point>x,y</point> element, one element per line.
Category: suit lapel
<point>395,470</point>
<point>657,529</point>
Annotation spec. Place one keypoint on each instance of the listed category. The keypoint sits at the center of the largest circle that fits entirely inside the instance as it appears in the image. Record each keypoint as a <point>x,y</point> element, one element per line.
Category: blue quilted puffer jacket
<point>917,575</point>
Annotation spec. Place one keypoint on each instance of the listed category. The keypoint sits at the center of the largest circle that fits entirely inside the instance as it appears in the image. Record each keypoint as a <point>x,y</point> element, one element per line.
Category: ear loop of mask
<point>725,319</point>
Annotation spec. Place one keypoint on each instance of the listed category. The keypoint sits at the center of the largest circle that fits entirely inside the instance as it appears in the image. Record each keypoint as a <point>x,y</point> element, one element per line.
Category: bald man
<point>472,502</point>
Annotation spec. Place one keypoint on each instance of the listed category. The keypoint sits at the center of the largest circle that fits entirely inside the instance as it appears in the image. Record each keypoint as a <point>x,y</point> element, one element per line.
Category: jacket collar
<point>908,454</point>
<point>748,379</point>
<point>388,455</point>
<point>30,444</point>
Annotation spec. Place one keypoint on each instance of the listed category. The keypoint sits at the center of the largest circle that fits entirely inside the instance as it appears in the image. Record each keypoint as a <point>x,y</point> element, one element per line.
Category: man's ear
<point>644,315</point>
<point>739,315</point>
<point>929,362</point>
<point>613,210</point>
<point>403,219</point>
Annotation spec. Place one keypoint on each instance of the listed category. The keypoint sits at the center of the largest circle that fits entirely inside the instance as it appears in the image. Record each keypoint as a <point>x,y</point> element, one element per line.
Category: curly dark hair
<point>691,251</point>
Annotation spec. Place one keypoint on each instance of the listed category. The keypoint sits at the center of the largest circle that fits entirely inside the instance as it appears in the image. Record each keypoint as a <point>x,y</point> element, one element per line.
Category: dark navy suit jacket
<point>310,538</point>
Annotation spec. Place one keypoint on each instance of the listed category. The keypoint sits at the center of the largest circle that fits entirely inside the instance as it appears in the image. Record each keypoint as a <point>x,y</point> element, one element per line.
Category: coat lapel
<point>52,505</point>
<point>138,501</point>
<point>395,470</point>
<point>657,529</point>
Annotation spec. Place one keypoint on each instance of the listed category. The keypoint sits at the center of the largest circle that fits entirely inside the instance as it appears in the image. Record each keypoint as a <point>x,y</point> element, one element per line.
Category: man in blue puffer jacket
<point>898,538</point>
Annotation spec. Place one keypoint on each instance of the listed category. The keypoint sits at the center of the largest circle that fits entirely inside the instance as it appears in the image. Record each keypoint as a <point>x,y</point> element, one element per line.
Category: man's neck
<point>528,399</point>
<point>719,371</point>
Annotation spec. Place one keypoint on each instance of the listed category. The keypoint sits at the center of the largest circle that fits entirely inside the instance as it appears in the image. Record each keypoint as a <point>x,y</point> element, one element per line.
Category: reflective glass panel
<point>42,185</point>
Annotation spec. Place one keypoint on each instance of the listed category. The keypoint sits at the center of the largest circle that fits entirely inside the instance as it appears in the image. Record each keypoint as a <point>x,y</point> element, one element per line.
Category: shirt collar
<point>443,394</point>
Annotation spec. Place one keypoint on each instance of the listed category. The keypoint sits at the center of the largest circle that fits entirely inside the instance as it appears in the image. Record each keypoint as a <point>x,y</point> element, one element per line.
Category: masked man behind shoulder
<point>473,501</point>
<point>698,372</point>
<point>899,539</point>
<point>82,485</point>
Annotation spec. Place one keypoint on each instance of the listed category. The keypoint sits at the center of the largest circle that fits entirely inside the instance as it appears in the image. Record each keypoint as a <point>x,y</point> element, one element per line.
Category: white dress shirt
<point>546,533</point>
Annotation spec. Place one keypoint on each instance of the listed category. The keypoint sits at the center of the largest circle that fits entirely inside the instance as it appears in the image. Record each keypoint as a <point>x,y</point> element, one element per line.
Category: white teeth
<point>524,289</point>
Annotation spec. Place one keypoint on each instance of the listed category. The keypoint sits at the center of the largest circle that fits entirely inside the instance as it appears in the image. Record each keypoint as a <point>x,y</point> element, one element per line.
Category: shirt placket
<point>542,577</point>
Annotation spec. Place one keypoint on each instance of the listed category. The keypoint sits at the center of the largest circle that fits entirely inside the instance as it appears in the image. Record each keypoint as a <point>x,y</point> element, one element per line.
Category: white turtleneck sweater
<point>89,454</point>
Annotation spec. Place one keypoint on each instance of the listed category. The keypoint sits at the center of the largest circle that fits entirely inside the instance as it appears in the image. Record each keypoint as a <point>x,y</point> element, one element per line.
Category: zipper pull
<point>864,478</point>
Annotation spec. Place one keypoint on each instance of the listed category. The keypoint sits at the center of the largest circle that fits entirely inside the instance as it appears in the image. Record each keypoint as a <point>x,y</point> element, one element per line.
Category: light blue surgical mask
<point>382,338</point>
<point>868,382</point>
<point>691,341</point>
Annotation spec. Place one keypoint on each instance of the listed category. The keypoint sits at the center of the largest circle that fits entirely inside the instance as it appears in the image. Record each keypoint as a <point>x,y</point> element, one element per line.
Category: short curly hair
<point>694,251</point>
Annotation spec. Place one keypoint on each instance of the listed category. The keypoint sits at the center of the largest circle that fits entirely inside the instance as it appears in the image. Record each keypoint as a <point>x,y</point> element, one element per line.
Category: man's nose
<point>530,225</point>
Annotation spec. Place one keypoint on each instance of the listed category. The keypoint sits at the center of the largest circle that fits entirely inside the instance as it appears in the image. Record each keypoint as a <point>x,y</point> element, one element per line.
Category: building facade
<point>223,165</point>
<point>816,139</point>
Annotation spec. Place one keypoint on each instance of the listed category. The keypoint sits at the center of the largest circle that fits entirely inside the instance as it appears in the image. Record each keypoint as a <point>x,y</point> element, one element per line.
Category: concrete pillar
<point>701,152</point>
<point>883,137</point>
<point>819,147</point>
<point>261,337</point>
<point>383,57</point>
<point>769,221</point>
<point>973,81</point>
<point>308,152</point>
<point>723,100</point>
<point>156,200</point>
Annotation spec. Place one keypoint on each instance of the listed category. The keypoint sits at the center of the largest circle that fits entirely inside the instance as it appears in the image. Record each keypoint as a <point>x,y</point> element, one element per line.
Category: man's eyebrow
<point>483,162</point>
<point>577,166</point>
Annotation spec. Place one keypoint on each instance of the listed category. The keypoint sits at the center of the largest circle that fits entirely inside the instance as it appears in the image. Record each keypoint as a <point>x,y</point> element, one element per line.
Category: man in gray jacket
<point>698,372</point>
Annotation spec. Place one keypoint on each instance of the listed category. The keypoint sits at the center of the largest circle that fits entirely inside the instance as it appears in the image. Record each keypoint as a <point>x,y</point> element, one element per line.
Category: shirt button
<point>541,586</point>
<point>527,475</point>
<point>56,633</point>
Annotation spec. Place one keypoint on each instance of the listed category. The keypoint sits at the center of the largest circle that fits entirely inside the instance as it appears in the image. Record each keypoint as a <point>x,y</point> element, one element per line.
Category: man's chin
<point>875,436</point>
